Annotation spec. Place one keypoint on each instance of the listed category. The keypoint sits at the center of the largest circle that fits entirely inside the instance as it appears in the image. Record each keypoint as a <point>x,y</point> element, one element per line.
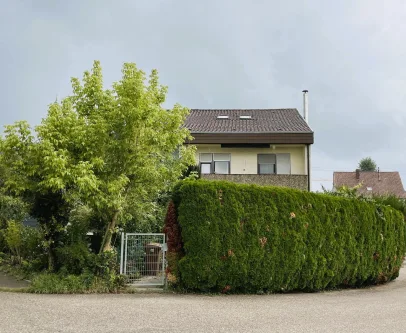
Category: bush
<point>32,240</point>
<point>86,283</point>
<point>247,238</point>
<point>174,240</point>
<point>11,209</point>
<point>74,258</point>
<point>13,238</point>
<point>392,201</point>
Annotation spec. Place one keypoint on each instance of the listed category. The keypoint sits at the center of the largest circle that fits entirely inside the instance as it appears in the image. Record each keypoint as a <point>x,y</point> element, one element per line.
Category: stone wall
<point>293,181</point>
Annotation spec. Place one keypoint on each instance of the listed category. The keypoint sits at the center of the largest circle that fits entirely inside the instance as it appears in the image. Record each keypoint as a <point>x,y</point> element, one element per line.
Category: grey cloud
<point>231,54</point>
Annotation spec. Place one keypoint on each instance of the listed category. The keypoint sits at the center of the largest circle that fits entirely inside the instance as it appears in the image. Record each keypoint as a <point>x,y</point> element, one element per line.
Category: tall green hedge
<point>247,238</point>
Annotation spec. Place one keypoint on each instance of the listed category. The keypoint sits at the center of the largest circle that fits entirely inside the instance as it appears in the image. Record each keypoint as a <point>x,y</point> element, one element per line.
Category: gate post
<point>122,254</point>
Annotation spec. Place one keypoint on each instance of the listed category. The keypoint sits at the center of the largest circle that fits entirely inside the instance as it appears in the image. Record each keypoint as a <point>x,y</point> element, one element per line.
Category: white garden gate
<point>143,258</point>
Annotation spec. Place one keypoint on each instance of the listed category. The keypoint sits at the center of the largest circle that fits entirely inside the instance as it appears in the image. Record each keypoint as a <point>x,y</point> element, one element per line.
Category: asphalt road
<point>377,309</point>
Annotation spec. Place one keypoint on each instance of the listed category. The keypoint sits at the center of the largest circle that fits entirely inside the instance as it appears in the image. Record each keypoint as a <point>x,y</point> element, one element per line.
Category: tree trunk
<point>51,259</point>
<point>106,243</point>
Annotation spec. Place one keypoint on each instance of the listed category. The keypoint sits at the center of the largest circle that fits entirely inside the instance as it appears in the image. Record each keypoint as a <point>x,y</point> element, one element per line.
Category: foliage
<point>172,230</point>
<point>11,209</point>
<point>249,238</point>
<point>386,200</point>
<point>111,149</point>
<point>13,238</point>
<point>367,164</point>
<point>149,216</point>
<point>29,178</point>
<point>344,191</point>
<point>73,258</point>
<point>392,201</point>
<point>73,255</point>
<point>47,283</point>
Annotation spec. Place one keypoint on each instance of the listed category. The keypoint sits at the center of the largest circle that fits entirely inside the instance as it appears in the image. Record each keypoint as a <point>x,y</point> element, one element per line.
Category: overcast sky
<point>349,54</point>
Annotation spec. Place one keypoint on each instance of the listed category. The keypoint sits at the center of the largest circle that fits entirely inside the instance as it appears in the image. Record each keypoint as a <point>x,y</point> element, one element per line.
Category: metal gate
<point>143,258</point>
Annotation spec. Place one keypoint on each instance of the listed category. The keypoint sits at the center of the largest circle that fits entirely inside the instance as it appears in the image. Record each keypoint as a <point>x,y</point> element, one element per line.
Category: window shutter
<point>283,164</point>
<point>221,157</point>
<point>266,159</point>
<point>205,158</point>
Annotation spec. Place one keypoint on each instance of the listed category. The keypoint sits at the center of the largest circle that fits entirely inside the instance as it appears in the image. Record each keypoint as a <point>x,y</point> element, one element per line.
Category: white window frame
<point>215,159</point>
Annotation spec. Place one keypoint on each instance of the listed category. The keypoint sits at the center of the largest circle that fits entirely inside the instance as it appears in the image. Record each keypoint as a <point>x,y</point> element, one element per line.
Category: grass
<point>48,283</point>
<point>15,290</point>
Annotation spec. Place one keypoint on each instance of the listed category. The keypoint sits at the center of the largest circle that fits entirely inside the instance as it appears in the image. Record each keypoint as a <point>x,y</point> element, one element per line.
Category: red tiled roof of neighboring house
<point>261,121</point>
<point>374,183</point>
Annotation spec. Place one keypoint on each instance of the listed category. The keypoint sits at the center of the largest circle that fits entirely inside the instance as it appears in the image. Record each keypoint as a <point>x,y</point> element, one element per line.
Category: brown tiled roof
<point>262,121</point>
<point>381,183</point>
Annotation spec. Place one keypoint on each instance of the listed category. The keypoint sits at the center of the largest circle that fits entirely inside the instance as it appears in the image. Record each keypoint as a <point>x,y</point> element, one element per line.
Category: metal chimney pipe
<point>305,106</point>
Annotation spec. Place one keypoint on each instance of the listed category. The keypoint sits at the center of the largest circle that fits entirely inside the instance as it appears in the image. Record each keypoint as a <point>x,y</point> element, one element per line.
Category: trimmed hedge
<point>248,238</point>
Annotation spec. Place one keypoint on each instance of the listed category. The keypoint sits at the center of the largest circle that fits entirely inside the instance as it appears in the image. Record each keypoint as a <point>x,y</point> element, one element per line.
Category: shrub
<point>32,240</point>
<point>172,230</point>
<point>48,283</point>
<point>11,209</point>
<point>174,240</point>
<point>14,239</point>
<point>73,258</point>
<point>248,238</point>
<point>392,201</point>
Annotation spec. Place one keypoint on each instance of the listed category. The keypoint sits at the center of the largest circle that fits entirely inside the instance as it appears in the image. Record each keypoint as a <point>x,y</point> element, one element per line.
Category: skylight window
<point>369,188</point>
<point>245,117</point>
<point>222,117</point>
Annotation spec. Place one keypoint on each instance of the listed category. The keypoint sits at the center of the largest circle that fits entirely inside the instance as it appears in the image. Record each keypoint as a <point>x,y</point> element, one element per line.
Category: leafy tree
<point>112,150</point>
<point>28,177</point>
<point>367,164</point>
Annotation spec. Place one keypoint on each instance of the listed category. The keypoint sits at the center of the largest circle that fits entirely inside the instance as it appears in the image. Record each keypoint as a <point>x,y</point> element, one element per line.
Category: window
<point>214,163</point>
<point>274,164</point>
<point>266,164</point>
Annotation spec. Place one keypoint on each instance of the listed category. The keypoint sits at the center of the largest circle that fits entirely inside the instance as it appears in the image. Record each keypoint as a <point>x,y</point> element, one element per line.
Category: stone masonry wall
<point>293,181</point>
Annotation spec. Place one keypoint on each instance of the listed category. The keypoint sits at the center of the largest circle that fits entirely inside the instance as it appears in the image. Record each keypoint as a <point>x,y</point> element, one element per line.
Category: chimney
<point>357,173</point>
<point>305,106</point>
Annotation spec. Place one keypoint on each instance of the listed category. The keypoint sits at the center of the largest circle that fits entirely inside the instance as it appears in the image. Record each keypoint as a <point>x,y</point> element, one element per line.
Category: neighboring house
<point>266,147</point>
<point>372,183</point>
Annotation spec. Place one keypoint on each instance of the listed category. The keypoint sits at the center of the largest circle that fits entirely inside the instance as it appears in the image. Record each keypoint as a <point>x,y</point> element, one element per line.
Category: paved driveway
<point>378,309</point>
<point>7,281</point>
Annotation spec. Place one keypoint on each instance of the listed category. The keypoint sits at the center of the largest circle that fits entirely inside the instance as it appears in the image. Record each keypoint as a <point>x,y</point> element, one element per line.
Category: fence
<point>143,258</point>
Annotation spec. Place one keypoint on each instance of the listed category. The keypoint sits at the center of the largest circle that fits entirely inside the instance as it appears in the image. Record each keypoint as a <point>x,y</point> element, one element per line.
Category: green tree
<point>367,164</point>
<point>112,150</point>
<point>28,176</point>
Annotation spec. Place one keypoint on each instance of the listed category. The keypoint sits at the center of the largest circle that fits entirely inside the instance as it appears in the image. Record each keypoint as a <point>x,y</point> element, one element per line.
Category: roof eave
<point>265,133</point>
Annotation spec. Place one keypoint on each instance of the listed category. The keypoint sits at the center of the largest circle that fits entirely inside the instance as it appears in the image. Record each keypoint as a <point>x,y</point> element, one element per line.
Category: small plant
<point>48,283</point>
<point>14,239</point>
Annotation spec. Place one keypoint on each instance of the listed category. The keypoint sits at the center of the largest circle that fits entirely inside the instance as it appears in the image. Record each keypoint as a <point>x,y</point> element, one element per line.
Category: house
<point>372,182</point>
<point>260,146</point>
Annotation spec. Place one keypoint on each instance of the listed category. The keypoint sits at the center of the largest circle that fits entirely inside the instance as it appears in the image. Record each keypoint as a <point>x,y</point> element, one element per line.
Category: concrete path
<point>7,281</point>
<point>377,309</point>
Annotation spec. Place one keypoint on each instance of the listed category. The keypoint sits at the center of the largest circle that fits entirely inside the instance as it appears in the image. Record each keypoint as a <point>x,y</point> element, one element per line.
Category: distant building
<point>372,182</point>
